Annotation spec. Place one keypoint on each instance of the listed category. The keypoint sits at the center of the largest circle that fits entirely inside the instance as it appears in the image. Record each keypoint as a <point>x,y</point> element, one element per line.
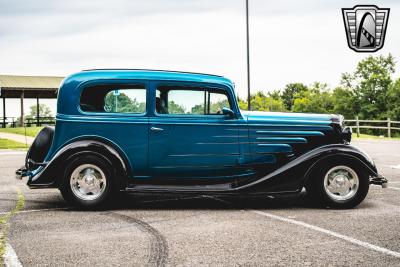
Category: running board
<point>179,188</point>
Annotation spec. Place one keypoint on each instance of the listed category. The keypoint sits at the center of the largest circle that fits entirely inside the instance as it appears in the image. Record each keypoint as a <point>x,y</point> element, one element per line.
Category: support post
<point>389,130</point>
<point>37,111</point>
<point>4,112</point>
<point>22,110</point>
<point>248,56</point>
<point>358,126</point>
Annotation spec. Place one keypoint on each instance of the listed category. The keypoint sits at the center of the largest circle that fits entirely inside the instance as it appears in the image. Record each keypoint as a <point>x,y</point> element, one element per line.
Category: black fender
<point>51,172</point>
<point>292,176</point>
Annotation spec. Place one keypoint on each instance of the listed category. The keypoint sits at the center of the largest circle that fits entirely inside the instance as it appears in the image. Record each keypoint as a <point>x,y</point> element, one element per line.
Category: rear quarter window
<point>114,99</point>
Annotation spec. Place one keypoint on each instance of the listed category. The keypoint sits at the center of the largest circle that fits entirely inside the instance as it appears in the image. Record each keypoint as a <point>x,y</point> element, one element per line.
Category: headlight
<point>341,120</point>
<point>346,134</point>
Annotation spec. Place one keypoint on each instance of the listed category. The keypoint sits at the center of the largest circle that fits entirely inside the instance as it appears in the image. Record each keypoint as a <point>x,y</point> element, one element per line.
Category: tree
<point>276,94</point>
<point>261,102</point>
<point>369,92</point>
<point>316,99</point>
<point>198,109</point>
<point>288,94</point>
<point>370,83</point>
<point>345,102</point>
<point>174,108</point>
<point>123,104</point>
<point>44,111</point>
<point>394,101</point>
<point>242,104</point>
<point>217,106</point>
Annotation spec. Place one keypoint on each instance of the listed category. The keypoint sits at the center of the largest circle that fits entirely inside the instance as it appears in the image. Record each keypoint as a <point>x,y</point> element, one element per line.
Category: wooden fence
<point>14,122</point>
<point>387,125</point>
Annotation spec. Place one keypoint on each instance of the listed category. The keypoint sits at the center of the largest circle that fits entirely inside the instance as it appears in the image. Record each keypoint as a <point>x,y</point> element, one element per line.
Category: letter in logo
<point>365,27</point>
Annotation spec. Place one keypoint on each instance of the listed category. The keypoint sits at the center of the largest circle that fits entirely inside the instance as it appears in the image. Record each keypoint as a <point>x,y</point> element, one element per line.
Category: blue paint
<point>282,139</point>
<point>274,148</point>
<point>291,133</point>
<point>189,146</point>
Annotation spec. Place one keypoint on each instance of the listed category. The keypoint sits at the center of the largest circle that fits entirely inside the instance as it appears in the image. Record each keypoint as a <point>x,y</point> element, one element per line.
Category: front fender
<point>292,176</point>
<point>50,174</point>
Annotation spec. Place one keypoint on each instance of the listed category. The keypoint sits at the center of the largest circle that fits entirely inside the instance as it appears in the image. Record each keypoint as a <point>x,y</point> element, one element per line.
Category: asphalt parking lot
<point>203,230</point>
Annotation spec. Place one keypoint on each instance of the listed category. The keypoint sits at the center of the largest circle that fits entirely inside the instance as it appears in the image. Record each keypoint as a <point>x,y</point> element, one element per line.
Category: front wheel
<point>87,181</point>
<point>338,185</point>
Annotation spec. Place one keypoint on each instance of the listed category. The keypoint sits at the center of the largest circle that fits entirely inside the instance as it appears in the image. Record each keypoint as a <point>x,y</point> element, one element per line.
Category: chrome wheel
<point>88,182</point>
<point>341,183</point>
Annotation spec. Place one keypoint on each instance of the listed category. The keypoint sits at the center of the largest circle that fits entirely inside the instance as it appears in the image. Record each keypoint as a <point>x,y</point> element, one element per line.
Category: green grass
<point>367,136</point>
<point>30,131</point>
<point>10,144</point>
<point>4,224</point>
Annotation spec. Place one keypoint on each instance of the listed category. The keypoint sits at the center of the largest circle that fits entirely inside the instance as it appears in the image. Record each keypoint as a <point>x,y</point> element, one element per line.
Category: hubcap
<point>341,183</point>
<point>88,182</point>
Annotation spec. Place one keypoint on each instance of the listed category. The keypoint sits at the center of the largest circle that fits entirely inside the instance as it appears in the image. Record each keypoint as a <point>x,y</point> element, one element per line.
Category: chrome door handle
<point>156,129</point>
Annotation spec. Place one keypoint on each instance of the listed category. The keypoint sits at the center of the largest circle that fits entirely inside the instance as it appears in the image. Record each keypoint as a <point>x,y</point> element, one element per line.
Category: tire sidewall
<point>65,186</point>
<point>317,187</point>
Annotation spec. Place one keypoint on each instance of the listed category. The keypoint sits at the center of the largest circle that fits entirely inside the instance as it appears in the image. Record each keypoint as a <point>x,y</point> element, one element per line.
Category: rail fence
<point>386,125</point>
<point>14,122</point>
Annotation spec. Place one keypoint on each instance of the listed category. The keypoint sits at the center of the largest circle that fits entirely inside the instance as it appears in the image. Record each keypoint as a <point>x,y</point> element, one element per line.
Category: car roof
<point>144,74</point>
<point>70,88</point>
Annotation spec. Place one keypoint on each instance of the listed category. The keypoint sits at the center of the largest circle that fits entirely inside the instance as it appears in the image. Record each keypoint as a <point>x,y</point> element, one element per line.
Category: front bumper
<point>379,180</point>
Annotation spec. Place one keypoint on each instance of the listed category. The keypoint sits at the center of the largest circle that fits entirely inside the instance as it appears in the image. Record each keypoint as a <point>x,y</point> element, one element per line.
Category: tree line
<point>370,92</point>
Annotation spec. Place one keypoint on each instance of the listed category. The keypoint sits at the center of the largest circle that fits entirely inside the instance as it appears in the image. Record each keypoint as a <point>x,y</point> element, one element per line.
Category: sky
<point>290,41</point>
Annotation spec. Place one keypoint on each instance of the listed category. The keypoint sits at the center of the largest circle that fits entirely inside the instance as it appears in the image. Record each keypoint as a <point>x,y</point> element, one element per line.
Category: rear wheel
<point>338,185</point>
<point>88,181</point>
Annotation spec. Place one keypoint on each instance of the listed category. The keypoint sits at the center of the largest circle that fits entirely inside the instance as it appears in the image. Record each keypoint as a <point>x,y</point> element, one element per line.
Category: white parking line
<point>10,257</point>
<point>12,153</point>
<point>28,211</point>
<point>331,233</point>
<point>321,230</point>
<point>395,188</point>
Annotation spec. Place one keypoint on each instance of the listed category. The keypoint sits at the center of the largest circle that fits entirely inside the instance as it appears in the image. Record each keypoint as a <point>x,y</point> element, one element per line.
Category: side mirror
<point>228,112</point>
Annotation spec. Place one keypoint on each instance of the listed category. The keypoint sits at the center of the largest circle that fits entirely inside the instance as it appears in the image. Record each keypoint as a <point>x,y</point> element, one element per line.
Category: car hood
<point>261,117</point>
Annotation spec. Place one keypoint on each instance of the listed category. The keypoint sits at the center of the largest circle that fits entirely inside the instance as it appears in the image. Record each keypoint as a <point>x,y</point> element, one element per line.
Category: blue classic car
<point>177,132</point>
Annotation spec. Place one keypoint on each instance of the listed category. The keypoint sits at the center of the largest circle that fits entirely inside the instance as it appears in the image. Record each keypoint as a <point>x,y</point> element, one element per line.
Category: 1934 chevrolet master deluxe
<point>176,132</point>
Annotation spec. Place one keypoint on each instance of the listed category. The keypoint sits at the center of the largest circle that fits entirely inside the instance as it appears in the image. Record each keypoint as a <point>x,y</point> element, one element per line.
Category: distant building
<point>15,86</point>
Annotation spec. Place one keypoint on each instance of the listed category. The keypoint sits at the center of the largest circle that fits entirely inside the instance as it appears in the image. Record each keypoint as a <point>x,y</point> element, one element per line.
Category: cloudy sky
<point>290,41</point>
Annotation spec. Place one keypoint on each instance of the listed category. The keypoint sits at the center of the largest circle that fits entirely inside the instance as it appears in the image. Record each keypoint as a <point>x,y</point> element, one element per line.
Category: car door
<point>115,110</point>
<point>189,137</point>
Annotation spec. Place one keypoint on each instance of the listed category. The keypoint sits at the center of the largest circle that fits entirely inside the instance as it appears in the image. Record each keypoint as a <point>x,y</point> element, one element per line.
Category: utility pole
<point>248,55</point>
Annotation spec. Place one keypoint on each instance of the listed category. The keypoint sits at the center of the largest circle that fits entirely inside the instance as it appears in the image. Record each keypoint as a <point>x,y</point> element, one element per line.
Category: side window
<point>217,102</point>
<point>190,101</point>
<point>125,101</point>
<point>114,99</point>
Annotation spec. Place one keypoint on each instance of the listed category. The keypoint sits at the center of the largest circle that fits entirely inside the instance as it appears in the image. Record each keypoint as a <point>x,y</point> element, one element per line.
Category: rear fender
<point>51,174</point>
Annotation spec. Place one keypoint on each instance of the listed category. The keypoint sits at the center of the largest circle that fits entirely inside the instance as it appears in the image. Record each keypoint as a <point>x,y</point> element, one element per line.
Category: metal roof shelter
<point>16,86</point>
